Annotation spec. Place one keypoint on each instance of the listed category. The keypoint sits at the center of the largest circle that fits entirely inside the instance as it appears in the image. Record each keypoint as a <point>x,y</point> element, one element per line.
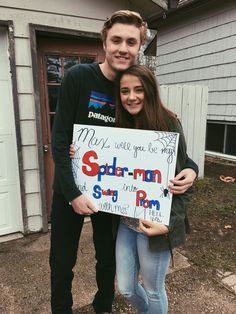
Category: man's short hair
<point>125,17</point>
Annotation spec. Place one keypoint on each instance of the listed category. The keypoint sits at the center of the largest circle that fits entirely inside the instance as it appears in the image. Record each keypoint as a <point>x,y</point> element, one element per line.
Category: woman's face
<point>131,94</point>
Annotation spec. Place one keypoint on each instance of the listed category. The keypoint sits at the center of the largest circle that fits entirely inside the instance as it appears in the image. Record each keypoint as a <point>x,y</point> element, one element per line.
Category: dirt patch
<point>210,247</point>
<point>212,214</point>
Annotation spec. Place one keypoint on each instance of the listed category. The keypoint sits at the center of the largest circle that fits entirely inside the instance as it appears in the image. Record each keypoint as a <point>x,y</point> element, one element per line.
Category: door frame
<point>9,25</point>
<point>36,30</point>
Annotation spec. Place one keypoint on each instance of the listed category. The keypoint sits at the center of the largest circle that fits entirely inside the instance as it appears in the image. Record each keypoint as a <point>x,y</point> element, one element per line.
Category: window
<point>56,67</point>
<point>220,137</point>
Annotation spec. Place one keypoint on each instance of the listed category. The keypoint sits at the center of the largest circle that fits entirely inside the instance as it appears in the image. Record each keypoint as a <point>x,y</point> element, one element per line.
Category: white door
<point>10,199</point>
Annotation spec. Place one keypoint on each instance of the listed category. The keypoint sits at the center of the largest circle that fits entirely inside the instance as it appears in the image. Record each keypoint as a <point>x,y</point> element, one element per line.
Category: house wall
<point>75,15</point>
<point>199,48</point>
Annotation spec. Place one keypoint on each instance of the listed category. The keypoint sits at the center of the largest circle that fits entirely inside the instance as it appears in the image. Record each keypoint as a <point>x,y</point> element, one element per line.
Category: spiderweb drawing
<point>76,160</point>
<point>168,141</point>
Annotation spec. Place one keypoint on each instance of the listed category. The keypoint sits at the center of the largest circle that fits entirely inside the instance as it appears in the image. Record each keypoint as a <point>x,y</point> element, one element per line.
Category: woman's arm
<point>186,169</point>
<point>182,183</point>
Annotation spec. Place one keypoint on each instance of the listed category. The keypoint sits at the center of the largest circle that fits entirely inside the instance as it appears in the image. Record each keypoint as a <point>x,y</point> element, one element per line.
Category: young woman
<point>144,247</point>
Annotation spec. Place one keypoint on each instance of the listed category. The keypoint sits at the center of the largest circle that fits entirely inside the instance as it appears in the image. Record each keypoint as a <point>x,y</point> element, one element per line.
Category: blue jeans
<point>133,256</point>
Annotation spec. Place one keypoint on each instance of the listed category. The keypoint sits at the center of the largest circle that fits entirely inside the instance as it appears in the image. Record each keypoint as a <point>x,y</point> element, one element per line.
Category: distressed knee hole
<point>153,295</point>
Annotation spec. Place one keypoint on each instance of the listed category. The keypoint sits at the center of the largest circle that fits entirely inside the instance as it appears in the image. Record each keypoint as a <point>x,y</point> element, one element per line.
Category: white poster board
<point>126,171</point>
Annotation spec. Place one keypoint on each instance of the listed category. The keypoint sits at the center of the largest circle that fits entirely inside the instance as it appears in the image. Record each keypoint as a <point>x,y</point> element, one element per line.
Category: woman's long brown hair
<point>154,115</point>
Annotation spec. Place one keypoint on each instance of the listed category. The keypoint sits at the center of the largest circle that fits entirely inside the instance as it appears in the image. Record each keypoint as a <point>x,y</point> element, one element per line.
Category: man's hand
<point>72,151</point>
<point>183,181</point>
<point>83,206</point>
<point>151,228</point>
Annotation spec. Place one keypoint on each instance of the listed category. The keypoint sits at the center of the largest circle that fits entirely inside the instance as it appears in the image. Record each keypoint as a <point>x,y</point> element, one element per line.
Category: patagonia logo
<point>101,101</point>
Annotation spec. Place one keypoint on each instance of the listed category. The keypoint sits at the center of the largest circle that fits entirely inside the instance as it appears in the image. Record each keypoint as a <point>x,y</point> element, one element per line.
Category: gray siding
<point>201,49</point>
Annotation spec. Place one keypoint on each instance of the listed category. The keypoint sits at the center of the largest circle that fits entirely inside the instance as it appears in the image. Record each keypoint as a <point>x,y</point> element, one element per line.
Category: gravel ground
<point>196,289</point>
<point>24,274</point>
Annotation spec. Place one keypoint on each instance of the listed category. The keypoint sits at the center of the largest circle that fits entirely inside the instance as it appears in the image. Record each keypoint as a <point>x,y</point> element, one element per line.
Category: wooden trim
<point>41,30</point>
<point>62,32</point>
<point>35,70</point>
<point>6,23</point>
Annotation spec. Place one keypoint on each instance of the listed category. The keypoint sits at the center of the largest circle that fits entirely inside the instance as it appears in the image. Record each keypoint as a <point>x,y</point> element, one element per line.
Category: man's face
<point>121,47</point>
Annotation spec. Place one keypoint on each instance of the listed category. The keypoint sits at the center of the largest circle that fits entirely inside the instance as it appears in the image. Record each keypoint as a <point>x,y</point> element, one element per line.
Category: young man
<point>87,97</point>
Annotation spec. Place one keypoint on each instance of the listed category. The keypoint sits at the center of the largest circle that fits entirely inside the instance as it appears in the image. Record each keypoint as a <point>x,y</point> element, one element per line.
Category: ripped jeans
<point>133,257</point>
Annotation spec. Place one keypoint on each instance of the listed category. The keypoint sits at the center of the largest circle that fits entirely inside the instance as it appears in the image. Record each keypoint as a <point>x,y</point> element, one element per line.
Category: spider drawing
<point>165,192</point>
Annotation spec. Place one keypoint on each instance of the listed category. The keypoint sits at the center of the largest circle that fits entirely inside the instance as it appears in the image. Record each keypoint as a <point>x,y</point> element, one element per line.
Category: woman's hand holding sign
<point>152,228</point>
<point>183,181</point>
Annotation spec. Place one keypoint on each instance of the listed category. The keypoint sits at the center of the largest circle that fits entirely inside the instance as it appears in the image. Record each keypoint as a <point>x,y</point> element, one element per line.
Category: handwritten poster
<point>126,171</point>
